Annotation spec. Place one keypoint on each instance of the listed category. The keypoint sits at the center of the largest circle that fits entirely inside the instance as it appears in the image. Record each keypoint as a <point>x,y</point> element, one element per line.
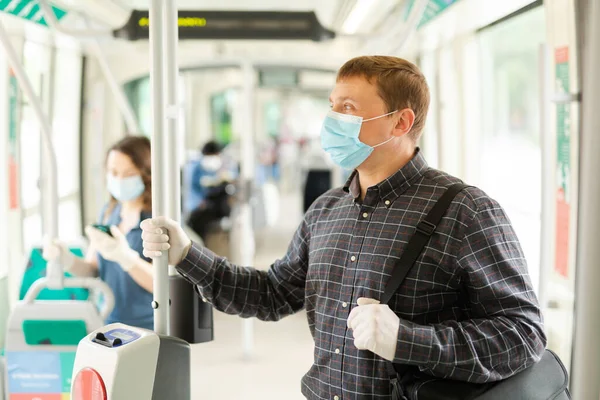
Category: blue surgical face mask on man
<point>339,139</point>
<point>125,189</point>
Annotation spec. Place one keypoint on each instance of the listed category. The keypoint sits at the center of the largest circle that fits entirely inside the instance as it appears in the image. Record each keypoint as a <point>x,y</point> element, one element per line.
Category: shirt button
<point>336,397</point>
<point>353,258</point>
<point>344,304</point>
<point>365,215</point>
<point>387,202</point>
<point>337,351</point>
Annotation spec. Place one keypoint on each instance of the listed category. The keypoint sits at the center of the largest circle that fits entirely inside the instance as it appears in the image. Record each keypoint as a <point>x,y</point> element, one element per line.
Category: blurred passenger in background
<point>211,183</point>
<point>190,196</point>
<point>117,258</point>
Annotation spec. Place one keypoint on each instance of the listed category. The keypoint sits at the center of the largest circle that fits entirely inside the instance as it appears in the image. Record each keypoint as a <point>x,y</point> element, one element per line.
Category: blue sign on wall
<point>45,374</point>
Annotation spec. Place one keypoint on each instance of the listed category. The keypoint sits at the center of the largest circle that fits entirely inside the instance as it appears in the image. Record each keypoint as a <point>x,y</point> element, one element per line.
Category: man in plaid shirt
<point>466,310</point>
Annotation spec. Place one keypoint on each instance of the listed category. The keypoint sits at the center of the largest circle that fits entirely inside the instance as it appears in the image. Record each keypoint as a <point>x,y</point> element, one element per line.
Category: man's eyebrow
<point>342,99</point>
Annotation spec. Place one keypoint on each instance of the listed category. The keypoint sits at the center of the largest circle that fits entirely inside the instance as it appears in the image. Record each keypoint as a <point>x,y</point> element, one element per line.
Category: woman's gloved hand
<point>57,251</point>
<point>374,327</point>
<point>161,234</point>
<point>113,248</point>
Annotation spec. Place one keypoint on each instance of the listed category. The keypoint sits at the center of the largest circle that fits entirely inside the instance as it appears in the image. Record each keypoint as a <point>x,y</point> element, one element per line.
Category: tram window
<point>36,62</point>
<point>65,128</point>
<point>139,96</point>
<point>32,230</point>
<point>511,150</point>
<point>30,158</point>
<point>429,139</point>
<point>70,219</point>
<point>221,111</point>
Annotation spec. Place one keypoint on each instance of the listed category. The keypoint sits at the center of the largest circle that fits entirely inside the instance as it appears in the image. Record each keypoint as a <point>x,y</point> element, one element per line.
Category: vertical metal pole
<point>55,272</point>
<point>586,346</point>
<point>247,170</point>
<point>172,182</point>
<point>548,195</point>
<point>441,158</point>
<point>6,103</point>
<point>161,271</point>
<point>47,100</point>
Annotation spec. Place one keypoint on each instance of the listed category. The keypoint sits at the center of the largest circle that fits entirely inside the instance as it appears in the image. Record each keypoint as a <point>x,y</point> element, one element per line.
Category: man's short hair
<point>400,85</point>
<point>211,148</point>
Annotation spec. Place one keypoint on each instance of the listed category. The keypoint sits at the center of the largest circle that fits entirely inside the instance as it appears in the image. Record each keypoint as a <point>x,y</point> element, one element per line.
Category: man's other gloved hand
<point>374,327</point>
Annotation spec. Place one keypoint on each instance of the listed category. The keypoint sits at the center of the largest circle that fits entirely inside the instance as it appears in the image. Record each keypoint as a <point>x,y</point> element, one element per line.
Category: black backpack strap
<point>413,250</point>
<point>417,243</point>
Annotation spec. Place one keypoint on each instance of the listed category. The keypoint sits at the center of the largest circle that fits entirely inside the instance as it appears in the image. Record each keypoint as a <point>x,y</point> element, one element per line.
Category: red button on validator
<point>88,385</point>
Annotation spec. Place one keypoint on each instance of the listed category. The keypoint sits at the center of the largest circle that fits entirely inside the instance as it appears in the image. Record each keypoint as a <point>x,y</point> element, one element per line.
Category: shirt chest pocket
<point>326,264</point>
<point>329,253</point>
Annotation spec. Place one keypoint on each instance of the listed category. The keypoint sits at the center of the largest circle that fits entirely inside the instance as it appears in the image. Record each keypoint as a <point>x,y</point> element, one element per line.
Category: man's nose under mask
<point>339,138</point>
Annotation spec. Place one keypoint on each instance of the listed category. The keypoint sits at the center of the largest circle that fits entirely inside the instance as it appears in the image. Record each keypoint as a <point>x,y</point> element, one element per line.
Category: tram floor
<point>282,351</point>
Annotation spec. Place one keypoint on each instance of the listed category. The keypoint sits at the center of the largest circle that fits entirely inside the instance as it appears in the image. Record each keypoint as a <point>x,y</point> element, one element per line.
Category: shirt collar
<point>392,187</point>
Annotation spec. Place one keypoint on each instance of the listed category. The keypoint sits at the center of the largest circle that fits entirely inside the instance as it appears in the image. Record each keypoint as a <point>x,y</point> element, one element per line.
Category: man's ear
<point>405,122</point>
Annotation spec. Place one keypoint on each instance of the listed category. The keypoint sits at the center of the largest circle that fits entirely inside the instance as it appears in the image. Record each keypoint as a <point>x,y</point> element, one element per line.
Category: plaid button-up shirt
<point>467,309</point>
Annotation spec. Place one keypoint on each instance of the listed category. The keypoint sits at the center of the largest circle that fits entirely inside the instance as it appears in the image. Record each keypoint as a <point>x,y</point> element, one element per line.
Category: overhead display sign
<point>29,10</point>
<point>242,25</point>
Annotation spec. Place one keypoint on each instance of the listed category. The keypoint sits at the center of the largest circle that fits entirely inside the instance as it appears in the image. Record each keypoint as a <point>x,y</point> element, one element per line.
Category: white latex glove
<point>57,251</point>
<point>160,234</point>
<point>113,248</point>
<point>374,327</point>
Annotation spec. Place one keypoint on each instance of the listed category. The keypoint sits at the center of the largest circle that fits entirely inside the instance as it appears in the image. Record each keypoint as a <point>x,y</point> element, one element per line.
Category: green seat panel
<point>36,269</point>
<point>54,332</point>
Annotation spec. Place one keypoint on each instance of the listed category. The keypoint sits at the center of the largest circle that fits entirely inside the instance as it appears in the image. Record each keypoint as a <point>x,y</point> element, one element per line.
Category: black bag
<point>545,380</point>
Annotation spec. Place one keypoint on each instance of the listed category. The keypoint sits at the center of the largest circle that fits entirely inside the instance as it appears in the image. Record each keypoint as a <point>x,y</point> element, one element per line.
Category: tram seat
<point>36,269</point>
<point>42,335</point>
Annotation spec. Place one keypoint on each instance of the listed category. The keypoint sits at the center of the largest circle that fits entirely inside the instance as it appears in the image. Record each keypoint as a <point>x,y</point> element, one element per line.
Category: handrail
<point>172,177</point>
<point>53,23</point>
<point>415,16</point>
<point>55,271</point>
<point>159,142</point>
<point>127,112</point>
<point>107,12</point>
<point>413,21</point>
<point>75,282</point>
<point>131,121</point>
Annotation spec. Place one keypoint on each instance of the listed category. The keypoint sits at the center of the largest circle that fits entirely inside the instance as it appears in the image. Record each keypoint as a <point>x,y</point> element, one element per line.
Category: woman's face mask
<point>125,189</point>
<point>339,138</point>
<point>211,163</point>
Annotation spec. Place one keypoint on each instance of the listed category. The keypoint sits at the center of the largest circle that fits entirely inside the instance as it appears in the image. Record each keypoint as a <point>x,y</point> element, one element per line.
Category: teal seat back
<point>54,332</point>
<point>36,269</point>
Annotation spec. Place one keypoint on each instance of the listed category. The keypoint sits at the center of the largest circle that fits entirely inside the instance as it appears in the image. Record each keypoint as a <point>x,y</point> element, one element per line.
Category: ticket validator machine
<point>120,362</point>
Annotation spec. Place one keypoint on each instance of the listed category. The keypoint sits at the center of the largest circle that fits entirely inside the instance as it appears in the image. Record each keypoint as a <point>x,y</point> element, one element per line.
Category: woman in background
<point>117,258</point>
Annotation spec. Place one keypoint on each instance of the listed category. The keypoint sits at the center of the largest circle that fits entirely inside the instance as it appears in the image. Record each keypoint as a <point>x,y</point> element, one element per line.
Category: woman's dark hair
<point>137,148</point>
